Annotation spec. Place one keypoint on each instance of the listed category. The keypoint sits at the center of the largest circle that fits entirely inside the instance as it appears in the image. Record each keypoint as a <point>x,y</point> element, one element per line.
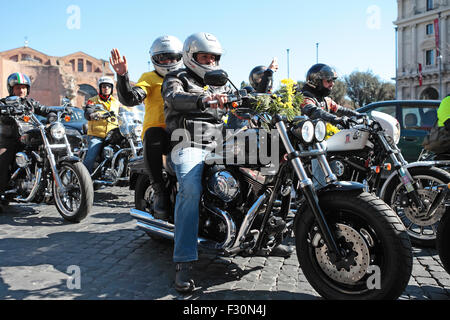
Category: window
<point>88,66</point>
<point>429,57</point>
<point>429,5</point>
<point>26,57</point>
<point>14,58</point>
<point>390,110</point>
<point>72,63</point>
<point>80,65</point>
<point>430,28</point>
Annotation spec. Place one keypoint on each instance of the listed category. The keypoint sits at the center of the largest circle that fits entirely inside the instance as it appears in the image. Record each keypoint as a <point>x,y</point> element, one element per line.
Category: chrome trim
<point>35,188</point>
<point>231,226</point>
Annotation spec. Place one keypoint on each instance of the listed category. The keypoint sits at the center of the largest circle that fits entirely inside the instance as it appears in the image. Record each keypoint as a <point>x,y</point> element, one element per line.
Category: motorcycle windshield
<point>130,119</point>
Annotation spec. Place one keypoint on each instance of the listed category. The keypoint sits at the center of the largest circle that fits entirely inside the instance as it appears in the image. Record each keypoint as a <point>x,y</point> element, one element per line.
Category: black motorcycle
<point>443,239</point>
<point>45,168</point>
<point>121,145</point>
<point>342,233</point>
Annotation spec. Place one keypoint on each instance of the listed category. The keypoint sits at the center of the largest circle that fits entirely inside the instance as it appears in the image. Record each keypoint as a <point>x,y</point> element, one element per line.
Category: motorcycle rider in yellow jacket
<point>166,53</point>
<point>98,128</point>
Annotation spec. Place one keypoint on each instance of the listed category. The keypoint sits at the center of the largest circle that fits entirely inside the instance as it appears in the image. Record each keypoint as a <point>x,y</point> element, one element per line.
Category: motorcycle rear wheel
<point>372,236</point>
<point>422,230</point>
<point>443,240</point>
<point>75,204</point>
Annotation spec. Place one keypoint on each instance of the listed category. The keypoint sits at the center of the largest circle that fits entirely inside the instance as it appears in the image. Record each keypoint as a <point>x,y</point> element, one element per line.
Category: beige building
<point>74,76</point>
<point>421,72</point>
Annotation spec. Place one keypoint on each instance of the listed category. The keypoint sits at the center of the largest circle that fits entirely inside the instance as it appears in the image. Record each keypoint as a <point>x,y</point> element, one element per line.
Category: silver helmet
<point>105,80</point>
<point>166,48</point>
<point>201,43</point>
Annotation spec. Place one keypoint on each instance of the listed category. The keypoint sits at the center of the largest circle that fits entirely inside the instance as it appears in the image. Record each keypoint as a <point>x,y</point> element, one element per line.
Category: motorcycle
<point>443,236</point>
<point>121,145</point>
<point>342,234</point>
<point>368,153</point>
<point>46,169</point>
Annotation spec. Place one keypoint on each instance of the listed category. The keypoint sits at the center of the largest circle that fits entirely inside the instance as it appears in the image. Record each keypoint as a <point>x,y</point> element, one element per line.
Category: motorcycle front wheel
<point>443,240</point>
<point>420,227</point>
<point>77,199</point>
<point>377,261</point>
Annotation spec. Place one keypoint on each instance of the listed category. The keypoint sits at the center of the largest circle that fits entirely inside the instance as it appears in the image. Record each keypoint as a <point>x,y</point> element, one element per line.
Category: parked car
<point>416,118</point>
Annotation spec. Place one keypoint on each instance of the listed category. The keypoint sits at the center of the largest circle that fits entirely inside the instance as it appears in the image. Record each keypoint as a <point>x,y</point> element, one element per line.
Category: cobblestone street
<point>41,256</point>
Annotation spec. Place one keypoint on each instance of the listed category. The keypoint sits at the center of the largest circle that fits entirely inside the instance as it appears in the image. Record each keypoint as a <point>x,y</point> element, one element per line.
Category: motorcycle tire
<point>421,232</point>
<point>443,240</point>
<point>85,192</point>
<point>373,238</point>
<point>143,202</point>
<point>141,189</point>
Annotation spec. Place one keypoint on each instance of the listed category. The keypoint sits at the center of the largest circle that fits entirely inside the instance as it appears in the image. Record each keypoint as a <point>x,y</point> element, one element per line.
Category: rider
<point>443,113</point>
<point>261,81</point>
<point>166,53</point>
<point>320,80</point>
<point>189,116</point>
<point>18,85</point>
<point>98,128</point>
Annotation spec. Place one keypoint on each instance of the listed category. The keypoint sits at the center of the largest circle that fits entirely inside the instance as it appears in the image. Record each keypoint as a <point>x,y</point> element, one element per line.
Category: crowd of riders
<point>176,97</point>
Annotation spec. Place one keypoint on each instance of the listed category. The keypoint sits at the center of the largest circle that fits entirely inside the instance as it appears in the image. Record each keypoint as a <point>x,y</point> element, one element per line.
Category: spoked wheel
<point>143,195</point>
<point>76,201</point>
<point>421,227</point>
<point>377,257</point>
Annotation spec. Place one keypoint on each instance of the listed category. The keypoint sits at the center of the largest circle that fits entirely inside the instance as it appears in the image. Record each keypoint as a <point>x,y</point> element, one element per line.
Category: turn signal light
<point>387,166</point>
<point>377,169</point>
<point>26,118</point>
<point>448,185</point>
<point>234,104</point>
<point>67,118</point>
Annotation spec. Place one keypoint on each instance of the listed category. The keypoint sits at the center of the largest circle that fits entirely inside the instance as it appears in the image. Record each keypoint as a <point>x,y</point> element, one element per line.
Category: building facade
<point>423,49</point>
<point>73,76</point>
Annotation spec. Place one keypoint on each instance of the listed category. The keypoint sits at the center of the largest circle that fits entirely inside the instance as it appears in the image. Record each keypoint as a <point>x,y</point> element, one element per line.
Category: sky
<point>352,35</point>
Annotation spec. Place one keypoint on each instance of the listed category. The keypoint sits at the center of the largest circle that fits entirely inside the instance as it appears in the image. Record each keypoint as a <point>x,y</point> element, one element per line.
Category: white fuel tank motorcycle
<point>368,153</point>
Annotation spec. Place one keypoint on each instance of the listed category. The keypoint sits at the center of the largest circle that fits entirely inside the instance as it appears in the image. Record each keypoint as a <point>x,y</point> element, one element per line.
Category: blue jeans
<point>94,148</point>
<point>188,164</point>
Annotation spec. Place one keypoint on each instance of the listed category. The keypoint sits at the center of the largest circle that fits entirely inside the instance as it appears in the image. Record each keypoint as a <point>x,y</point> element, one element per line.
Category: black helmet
<point>17,78</point>
<point>316,74</point>
<point>256,75</point>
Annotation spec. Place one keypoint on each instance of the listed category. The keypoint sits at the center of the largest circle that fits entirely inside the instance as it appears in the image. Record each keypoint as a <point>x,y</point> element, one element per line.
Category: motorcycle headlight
<point>58,131</point>
<point>320,130</point>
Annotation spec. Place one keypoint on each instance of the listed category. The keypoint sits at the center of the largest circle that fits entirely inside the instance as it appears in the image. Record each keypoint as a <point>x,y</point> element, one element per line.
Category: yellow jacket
<point>443,112</point>
<point>151,83</point>
<point>100,128</point>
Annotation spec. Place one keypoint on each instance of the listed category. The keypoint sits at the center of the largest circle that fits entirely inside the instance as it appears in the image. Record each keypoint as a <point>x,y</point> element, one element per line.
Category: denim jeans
<point>188,164</point>
<point>94,148</point>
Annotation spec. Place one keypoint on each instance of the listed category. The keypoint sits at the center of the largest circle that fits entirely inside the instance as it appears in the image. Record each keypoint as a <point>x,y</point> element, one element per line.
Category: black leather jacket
<point>318,107</point>
<point>8,129</point>
<point>183,91</point>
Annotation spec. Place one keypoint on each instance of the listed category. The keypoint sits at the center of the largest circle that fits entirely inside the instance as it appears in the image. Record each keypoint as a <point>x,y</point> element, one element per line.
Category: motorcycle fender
<point>341,186</point>
<point>424,164</point>
<point>69,159</point>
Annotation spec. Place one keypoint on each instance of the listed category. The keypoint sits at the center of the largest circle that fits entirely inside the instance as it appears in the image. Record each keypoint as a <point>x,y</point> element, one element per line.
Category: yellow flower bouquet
<point>331,130</point>
<point>286,103</point>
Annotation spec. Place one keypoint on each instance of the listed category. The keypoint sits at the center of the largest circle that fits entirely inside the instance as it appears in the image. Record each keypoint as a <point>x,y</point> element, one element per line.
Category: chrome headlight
<point>320,130</point>
<point>108,152</point>
<point>58,131</point>
<point>304,130</point>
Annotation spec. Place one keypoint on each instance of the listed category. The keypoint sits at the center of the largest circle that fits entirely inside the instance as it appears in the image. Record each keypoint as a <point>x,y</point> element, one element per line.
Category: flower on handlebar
<point>286,102</point>
<point>331,130</point>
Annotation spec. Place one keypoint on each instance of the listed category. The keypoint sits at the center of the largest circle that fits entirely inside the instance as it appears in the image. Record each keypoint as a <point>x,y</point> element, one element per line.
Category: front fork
<point>399,163</point>
<point>309,192</point>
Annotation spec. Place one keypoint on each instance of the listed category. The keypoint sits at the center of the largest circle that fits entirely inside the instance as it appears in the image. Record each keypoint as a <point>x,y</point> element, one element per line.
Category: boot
<point>183,279</point>
<point>160,202</point>
<point>281,250</point>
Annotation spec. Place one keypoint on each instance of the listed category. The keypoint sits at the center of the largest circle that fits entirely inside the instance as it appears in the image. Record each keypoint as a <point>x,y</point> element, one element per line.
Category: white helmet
<point>201,43</point>
<point>106,80</point>
<point>163,48</point>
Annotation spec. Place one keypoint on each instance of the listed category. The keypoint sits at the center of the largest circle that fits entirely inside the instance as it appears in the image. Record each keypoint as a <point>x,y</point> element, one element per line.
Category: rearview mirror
<point>217,78</point>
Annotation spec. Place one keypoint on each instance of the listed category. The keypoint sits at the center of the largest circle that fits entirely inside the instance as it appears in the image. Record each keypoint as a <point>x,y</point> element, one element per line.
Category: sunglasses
<point>167,56</point>
<point>330,80</point>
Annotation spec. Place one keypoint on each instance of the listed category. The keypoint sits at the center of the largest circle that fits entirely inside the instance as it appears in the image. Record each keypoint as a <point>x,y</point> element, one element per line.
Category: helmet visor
<point>167,58</point>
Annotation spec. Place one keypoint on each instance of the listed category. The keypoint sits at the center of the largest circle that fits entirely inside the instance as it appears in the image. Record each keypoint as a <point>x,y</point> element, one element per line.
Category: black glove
<point>447,124</point>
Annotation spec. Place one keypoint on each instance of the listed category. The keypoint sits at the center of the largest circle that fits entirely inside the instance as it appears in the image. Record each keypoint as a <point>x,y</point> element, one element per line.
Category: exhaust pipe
<point>160,228</point>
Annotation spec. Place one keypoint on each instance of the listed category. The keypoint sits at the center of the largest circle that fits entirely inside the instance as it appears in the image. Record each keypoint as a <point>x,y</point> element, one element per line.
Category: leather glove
<point>95,116</point>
